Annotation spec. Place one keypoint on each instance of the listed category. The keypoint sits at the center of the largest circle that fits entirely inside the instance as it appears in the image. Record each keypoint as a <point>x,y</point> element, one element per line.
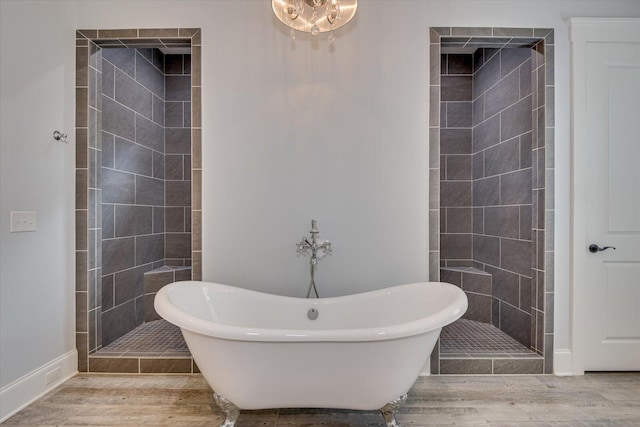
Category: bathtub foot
<point>389,410</point>
<point>231,410</point>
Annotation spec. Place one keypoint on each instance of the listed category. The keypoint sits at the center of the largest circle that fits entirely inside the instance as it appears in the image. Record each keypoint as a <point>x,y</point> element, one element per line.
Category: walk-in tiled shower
<point>138,210</point>
<point>491,180</point>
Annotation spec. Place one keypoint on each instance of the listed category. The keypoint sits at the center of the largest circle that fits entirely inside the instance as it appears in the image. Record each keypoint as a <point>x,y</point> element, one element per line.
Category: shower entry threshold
<point>151,348</point>
<point>470,347</point>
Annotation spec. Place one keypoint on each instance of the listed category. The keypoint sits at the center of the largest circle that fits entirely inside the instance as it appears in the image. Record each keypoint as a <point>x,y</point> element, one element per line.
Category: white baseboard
<point>563,362</point>
<point>24,391</point>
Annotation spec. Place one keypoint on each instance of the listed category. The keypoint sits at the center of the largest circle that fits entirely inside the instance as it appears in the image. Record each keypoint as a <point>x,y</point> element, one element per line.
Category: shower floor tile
<point>468,339</point>
<point>152,339</point>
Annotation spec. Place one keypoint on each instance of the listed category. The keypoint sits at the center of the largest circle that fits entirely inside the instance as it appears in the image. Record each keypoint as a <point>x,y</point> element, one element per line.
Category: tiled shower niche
<point>491,181</point>
<point>138,196</point>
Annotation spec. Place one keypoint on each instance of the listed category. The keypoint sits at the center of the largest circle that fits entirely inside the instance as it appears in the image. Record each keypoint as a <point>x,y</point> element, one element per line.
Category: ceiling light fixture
<point>314,16</point>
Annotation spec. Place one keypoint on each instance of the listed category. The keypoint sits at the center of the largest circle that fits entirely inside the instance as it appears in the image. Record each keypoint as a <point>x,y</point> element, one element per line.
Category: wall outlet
<point>52,376</point>
<point>23,221</point>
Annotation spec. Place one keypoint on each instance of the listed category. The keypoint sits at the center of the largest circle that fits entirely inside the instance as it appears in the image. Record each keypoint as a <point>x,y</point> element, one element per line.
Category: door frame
<point>582,32</point>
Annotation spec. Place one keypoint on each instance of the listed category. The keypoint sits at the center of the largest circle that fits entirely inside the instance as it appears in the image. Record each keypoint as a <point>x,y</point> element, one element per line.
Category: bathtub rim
<point>442,317</point>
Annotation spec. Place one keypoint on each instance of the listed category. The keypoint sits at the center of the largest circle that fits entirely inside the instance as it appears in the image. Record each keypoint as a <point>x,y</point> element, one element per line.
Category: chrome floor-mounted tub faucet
<point>314,246</point>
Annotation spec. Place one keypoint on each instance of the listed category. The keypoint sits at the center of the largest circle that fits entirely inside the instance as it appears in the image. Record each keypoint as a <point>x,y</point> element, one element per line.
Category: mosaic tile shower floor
<point>468,338</point>
<point>153,339</point>
<point>463,338</point>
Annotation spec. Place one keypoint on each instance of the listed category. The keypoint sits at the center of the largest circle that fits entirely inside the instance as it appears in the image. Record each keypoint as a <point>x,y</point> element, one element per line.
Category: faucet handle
<point>302,246</point>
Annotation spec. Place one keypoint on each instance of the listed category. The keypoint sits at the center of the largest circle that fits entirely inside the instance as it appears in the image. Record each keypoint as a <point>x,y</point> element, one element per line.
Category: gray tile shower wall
<point>457,185</point>
<point>145,166</point>
<point>92,305</point>
<point>177,69</point>
<point>455,160</point>
<point>542,91</point>
<point>502,182</point>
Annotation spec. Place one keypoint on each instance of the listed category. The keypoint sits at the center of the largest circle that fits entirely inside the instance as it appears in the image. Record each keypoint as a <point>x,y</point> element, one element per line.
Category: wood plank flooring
<point>185,400</point>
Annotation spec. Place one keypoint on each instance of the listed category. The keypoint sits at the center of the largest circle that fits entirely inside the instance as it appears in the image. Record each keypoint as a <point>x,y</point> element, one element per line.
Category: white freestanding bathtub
<point>361,351</point>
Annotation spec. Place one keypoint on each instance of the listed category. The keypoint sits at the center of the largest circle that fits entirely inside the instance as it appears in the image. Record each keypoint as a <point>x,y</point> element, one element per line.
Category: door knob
<point>593,248</point>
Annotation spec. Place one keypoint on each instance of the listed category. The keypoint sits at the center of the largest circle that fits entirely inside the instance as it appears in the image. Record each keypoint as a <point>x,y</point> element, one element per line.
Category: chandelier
<point>314,16</point>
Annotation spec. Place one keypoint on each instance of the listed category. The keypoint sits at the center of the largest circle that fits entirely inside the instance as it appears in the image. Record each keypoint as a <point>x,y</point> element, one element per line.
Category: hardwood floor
<point>185,400</point>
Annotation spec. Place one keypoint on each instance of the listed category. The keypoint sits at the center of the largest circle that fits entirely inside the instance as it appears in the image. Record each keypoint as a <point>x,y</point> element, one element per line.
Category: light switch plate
<point>23,221</point>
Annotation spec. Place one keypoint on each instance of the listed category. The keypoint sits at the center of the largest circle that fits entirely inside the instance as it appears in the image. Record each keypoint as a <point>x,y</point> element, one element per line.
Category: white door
<point>611,293</point>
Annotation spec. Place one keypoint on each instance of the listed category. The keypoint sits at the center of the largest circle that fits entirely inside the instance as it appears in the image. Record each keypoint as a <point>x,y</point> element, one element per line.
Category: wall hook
<point>60,136</point>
